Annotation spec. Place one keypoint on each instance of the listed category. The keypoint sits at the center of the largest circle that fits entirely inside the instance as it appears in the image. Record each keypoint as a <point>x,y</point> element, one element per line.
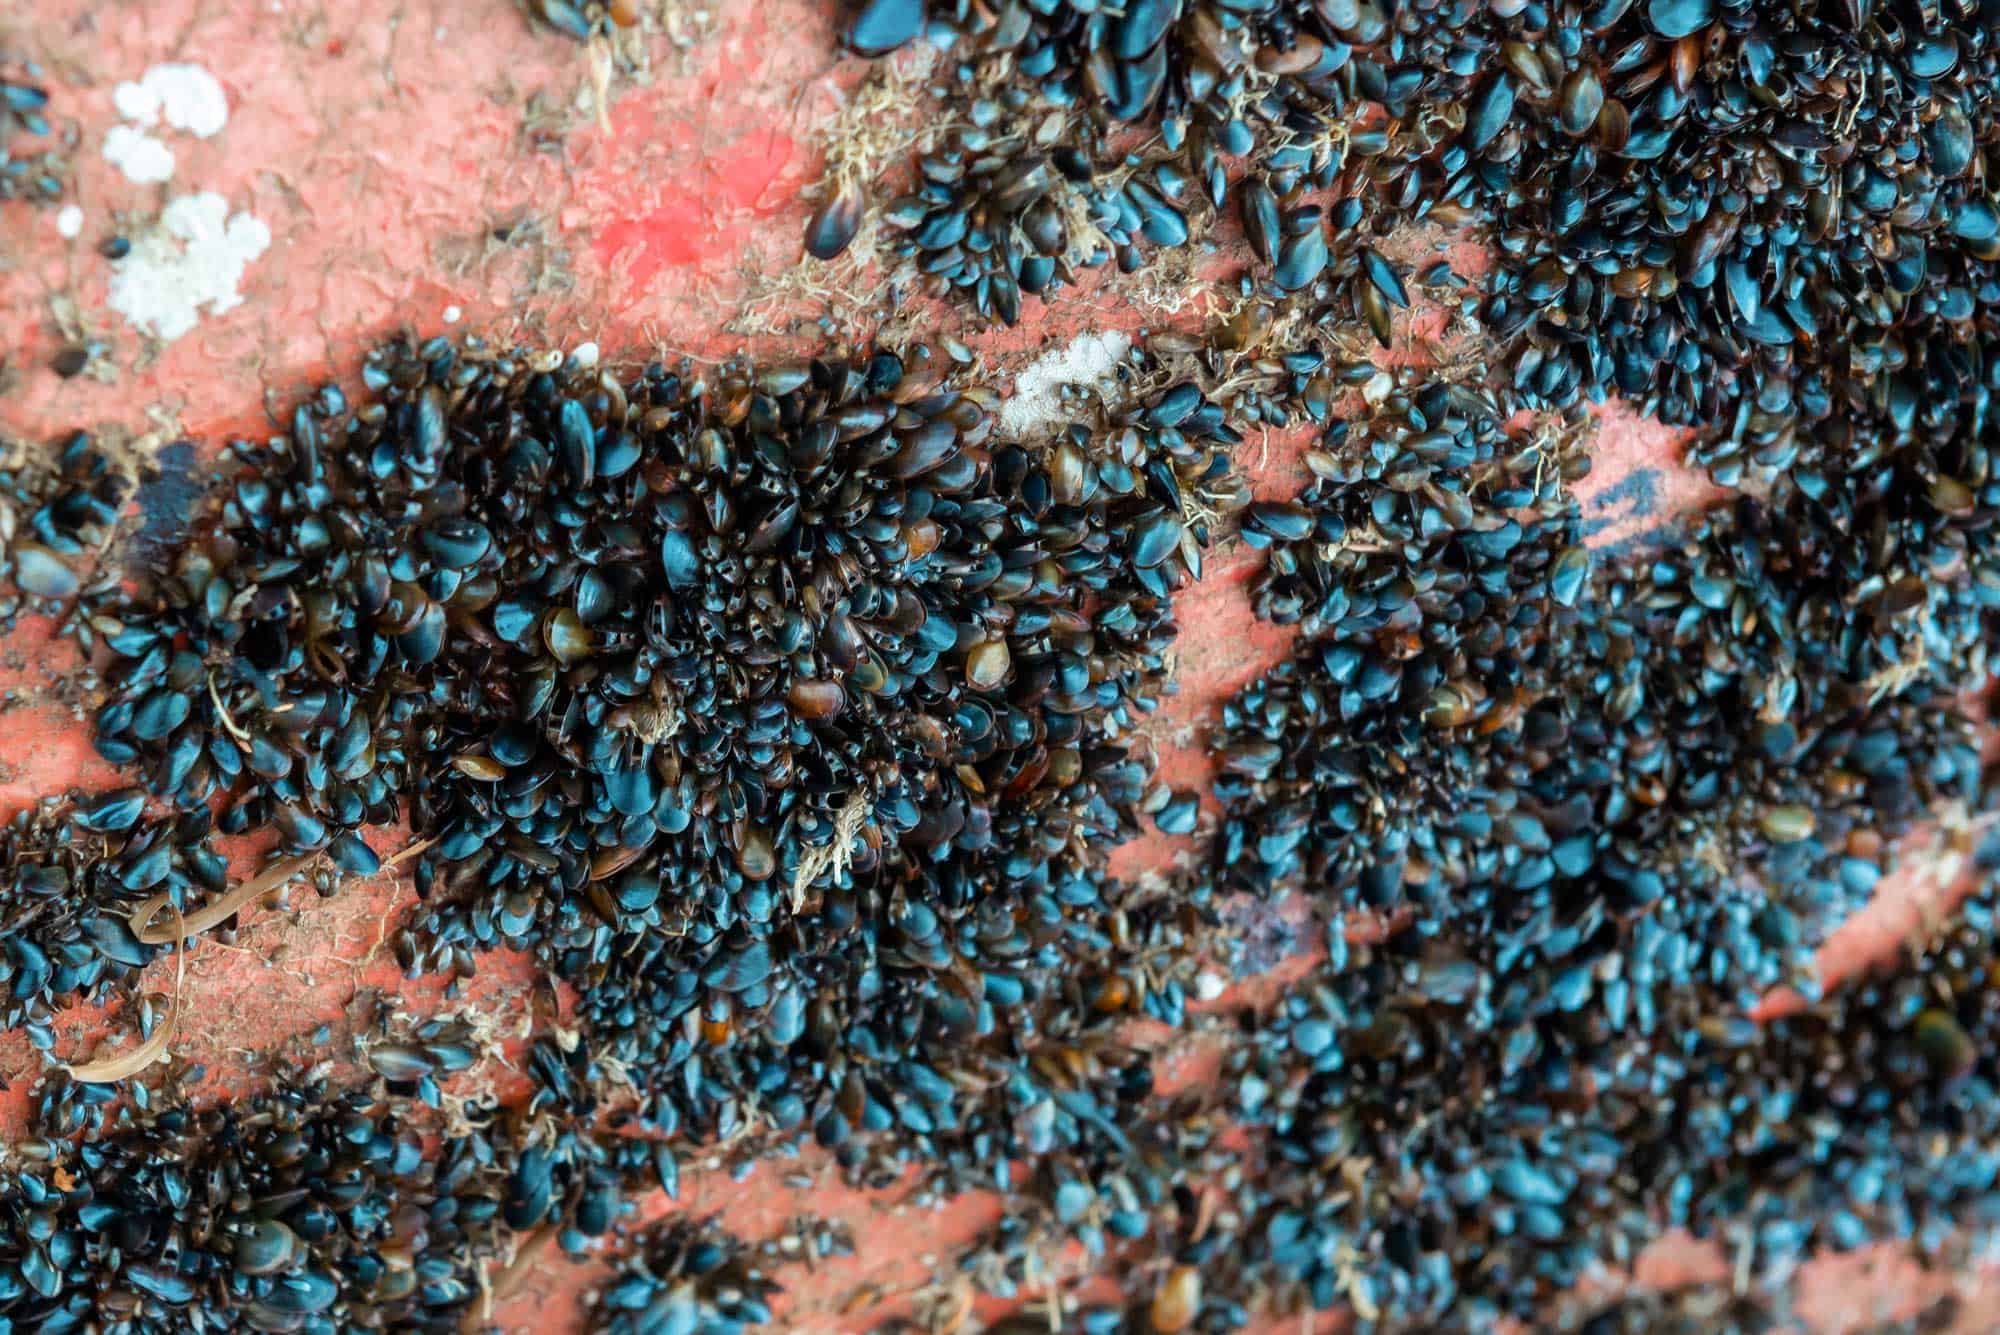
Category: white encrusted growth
<point>187,97</point>
<point>183,97</point>
<point>1037,407</point>
<point>191,262</point>
<point>143,159</point>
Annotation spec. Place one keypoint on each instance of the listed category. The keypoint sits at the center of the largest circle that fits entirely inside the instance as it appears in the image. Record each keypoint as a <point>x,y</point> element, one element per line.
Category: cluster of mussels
<point>77,868</point>
<point>626,654</point>
<point>689,1277</point>
<point>1449,1143</point>
<point>786,715</point>
<point>1711,749</point>
<point>306,1209</point>
<point>1600,804</point>
<point>1445,1133</point>
<point>781,715</point>
<point>23,103</point>
<point>1740,216</point>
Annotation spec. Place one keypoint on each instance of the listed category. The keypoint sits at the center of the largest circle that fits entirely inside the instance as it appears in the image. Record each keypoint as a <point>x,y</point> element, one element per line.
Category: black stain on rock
<point>167,501</point>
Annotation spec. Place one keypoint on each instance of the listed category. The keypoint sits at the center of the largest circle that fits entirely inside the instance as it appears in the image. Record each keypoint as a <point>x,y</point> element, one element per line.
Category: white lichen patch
<point>187,97</point>
<point>143,159</point>
<point>1037,407</point>
<point>191,263</point>
<point>178,96</point>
